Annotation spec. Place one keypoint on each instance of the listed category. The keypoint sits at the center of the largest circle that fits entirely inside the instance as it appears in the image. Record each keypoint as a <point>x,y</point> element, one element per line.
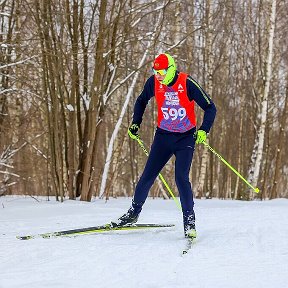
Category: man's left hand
<point>201,136</point>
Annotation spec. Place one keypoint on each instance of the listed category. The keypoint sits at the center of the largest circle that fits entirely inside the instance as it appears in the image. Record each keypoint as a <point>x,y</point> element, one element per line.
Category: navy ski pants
<point>164,146</point>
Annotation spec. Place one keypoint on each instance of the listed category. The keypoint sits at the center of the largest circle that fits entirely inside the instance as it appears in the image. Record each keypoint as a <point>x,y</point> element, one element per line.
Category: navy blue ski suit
<point>168,143</point>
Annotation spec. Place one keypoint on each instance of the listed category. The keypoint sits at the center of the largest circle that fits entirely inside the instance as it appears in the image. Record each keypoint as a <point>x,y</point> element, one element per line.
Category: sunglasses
<point>162,72</point>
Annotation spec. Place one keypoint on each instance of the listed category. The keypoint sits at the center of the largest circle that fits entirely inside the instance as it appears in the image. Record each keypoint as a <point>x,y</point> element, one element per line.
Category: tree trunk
<point>257,154</point>
<point>209,88</point>
<point>94,111</point>
<point>280,143</point>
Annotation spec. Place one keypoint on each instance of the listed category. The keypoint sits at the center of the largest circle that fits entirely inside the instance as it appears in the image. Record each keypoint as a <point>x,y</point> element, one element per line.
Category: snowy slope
<point>240,244</point>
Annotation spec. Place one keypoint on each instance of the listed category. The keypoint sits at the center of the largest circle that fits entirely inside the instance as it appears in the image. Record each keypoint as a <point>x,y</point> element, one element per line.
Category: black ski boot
<point>127,219</point>
<point>189,225</point>
<point>130,217</point>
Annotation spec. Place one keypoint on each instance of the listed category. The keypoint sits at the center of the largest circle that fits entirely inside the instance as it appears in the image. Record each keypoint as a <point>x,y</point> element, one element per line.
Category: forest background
<point>71,71</point>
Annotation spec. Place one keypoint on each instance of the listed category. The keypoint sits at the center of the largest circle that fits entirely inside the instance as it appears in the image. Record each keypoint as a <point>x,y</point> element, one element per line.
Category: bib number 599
<point>173,113</point>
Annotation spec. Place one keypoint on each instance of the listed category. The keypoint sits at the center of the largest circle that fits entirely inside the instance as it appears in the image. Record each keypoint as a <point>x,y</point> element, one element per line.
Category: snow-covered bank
<point>240,244</point>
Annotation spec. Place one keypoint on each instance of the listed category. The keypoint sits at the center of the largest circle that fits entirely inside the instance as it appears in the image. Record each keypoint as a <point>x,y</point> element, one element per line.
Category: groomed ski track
<point>239,244</point>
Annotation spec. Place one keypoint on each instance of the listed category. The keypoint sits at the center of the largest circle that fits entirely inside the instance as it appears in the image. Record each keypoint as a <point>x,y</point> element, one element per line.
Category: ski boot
<point>189,225</point>
<point>130,217</point>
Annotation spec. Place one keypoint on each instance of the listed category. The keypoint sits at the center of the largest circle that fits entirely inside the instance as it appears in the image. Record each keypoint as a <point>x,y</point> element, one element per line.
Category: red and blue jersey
<point>175,110</point>
<point>182,93</point>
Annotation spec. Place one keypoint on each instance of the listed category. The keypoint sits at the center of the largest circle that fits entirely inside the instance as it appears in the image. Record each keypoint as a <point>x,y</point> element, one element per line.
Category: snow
<point>70,108</point>
<point>5,14</point>
<point>239,244</point>
<point>86,101</point>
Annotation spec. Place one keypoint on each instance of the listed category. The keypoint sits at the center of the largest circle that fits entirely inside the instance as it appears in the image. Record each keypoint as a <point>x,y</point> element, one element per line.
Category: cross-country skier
<point>176,134</point>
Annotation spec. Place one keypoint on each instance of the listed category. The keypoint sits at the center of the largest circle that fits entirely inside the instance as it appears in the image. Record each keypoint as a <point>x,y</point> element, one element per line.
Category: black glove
<point>133,131</point>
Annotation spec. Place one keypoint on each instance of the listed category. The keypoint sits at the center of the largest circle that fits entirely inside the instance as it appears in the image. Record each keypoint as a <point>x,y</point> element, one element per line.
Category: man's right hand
<point>133,131</point>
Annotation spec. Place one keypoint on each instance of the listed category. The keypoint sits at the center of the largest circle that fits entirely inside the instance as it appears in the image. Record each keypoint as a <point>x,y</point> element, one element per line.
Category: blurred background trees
<point>68,66</point>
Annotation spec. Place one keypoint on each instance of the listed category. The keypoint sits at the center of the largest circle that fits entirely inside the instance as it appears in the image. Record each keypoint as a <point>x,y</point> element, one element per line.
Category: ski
<point>92,230</point>
<point>189,245</point>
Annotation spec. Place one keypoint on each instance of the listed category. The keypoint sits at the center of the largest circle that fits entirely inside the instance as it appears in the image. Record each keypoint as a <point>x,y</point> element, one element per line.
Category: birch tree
<point>257,154</point>
<point>208,60</point>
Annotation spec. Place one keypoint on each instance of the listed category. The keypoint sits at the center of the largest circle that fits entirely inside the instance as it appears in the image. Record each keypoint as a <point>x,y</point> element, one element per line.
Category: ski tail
<point>189,244</point>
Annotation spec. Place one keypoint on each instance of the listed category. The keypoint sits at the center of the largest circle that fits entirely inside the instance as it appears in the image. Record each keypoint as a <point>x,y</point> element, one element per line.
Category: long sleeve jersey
<point>194,92</point>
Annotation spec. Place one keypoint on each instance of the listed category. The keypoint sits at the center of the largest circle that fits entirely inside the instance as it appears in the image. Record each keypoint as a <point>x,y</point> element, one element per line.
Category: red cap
<point>161,62</point>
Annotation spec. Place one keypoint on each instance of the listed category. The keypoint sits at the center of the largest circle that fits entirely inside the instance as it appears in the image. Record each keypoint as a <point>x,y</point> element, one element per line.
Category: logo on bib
<point>171,98</point>
<point>180,88</point>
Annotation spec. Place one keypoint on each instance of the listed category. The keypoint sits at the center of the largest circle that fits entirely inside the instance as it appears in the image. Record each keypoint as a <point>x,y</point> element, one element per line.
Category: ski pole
<point>141,144</point>
<point>256,190</point>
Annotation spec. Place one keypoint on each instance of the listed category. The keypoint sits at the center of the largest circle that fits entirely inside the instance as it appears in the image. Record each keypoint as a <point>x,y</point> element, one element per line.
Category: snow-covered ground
<point>240,244</point>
